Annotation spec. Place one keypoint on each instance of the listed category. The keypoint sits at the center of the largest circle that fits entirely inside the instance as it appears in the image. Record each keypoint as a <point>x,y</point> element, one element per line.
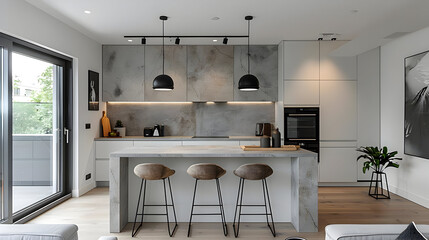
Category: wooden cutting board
<point>282,148</point>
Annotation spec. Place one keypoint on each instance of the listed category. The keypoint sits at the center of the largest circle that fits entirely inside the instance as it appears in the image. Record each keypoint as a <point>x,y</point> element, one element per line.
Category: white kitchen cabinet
<point>338,110</point>
<point>104,148</point>
<point>301,93</point>
<point>336,67</point>
<point>301,60</point>
<point>211,143</point>
<point>337,165</point>
<point>160,143</point>
<point>102,152</point>
<point>102,170</point>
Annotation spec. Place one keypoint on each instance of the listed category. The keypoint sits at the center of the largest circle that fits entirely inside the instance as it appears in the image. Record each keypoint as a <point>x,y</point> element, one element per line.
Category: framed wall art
<point>416,122</point>
<point>93,91</point>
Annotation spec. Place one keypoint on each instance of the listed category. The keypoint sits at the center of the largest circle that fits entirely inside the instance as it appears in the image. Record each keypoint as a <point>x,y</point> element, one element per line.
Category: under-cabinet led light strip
<point>208,102</point>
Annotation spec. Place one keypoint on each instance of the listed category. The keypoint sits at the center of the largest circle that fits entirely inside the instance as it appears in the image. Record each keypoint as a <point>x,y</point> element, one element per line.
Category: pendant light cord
<point>248,46</point>
<point>163,21</point>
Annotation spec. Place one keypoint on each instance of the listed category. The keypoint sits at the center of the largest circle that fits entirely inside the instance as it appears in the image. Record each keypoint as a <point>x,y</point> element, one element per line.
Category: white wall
<point>410,180</point>
<point>22,20</point>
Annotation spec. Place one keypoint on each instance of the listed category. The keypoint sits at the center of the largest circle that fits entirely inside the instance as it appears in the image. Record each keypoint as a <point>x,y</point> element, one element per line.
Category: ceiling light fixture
<point>87,12</point>
<point>163,82</point>
<point>248,82</point>
<point>130,40</point>
<point>225,40</point>
<point>177,42</point>
<point>143,41</point>
<point>328,36</point>
<point>214,40</point>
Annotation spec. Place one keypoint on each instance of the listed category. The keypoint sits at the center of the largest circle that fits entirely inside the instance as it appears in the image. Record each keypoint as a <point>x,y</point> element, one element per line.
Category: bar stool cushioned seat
<point>38,231</point>
<point>255,171</point>
<point>206,171</point>
<point>153,171</point>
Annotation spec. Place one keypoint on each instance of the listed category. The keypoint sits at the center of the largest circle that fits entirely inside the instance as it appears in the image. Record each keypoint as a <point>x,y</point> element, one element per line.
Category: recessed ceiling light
<point>215,18</point>
<point>87,12</point>
<point>130,40</point>
<point>214,40</point>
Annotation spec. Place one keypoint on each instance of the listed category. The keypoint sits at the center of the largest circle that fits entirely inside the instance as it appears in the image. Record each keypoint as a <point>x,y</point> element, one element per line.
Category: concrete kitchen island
<point>293,186</point>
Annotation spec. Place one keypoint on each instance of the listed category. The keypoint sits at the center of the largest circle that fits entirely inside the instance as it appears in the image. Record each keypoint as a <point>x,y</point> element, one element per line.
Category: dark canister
<point>265,142</point>
<point>276,138</point>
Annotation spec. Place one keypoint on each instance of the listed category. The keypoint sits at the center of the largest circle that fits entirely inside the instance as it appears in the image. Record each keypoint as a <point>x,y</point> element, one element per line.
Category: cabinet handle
<point>302,114</point>
<point>302,139</point>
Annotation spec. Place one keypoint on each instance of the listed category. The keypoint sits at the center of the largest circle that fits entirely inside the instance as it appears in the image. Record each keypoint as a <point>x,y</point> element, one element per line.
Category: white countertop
<point>206,151</point>
<point>177,138</point>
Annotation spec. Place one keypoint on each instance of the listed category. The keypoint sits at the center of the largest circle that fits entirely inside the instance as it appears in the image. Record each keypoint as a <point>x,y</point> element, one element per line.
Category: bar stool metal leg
<point>192,208</point>
<point>171,233</point>
<point>142,185</point>
<point>238,206</point>
<point>174,209</point>
<point>222,212</point>
<point>273,229</point>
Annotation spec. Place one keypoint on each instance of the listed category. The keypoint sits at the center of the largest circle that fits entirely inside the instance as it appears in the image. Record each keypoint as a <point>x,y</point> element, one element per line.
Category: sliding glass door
<point>35,130</point>
<point>37,119</point>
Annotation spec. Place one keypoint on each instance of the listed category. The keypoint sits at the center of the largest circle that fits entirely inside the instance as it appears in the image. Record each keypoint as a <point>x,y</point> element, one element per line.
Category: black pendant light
<point>163,82</point>
<point>248,82</point>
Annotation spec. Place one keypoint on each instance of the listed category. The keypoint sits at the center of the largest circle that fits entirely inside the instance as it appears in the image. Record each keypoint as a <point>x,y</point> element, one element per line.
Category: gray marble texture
<point>178,118</point>
<point>264,65</point>
<point>123,73</point>
<point>305,194</point>
<point>189,119</point>
<point>231,119</point>
<point>175,67</point>
<point>210,73</point>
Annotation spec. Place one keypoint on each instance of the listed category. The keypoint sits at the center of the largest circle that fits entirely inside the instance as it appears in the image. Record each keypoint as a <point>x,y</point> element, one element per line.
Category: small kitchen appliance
<point>148,132</point>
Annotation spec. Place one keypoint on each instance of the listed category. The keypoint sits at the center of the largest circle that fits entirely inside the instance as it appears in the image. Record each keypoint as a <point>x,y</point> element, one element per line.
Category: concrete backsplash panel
<point>189,119</point>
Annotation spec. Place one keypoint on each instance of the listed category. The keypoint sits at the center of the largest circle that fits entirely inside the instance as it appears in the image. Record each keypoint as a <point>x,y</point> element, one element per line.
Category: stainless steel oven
<point>302,127</point>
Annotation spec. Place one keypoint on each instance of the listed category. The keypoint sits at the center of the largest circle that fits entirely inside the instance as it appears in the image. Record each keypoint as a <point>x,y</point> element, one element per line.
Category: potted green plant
<point>378,159</point>
<point>119,126</point>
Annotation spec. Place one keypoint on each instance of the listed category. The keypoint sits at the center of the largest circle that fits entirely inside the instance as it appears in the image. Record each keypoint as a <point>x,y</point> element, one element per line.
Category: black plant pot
<point>376,189</point>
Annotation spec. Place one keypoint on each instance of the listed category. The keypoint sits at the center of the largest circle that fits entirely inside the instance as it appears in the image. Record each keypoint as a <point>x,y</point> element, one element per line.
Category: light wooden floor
<point>336,205</point>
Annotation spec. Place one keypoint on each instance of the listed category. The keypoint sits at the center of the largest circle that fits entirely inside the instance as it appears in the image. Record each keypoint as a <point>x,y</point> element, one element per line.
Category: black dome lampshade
<point>163,82</point>
<point>248,82</point>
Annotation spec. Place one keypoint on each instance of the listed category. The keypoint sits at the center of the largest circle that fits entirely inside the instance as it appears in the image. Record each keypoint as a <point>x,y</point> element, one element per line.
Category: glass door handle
<point>66,133</point>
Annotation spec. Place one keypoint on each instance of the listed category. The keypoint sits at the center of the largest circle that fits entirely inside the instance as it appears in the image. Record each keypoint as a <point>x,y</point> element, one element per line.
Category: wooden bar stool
<point>154,171</point>
<point>254,171</point>
<point>207,171</point>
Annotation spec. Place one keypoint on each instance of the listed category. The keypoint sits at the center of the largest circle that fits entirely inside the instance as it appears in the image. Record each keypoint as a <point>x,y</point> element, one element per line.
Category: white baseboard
<point>84,189</point>
<point>410,196</point>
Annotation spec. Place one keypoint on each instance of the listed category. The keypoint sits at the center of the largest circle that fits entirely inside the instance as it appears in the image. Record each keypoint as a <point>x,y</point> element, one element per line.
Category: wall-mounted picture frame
<point>416,122</point>
<point>93,91</point>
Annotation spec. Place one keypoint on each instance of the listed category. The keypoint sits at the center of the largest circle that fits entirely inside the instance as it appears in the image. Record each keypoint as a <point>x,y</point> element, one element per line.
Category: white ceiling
<point>274,20</point>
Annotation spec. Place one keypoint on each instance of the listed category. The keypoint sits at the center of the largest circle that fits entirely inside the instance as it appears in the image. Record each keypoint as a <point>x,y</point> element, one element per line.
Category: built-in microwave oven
<point>302,127</point>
